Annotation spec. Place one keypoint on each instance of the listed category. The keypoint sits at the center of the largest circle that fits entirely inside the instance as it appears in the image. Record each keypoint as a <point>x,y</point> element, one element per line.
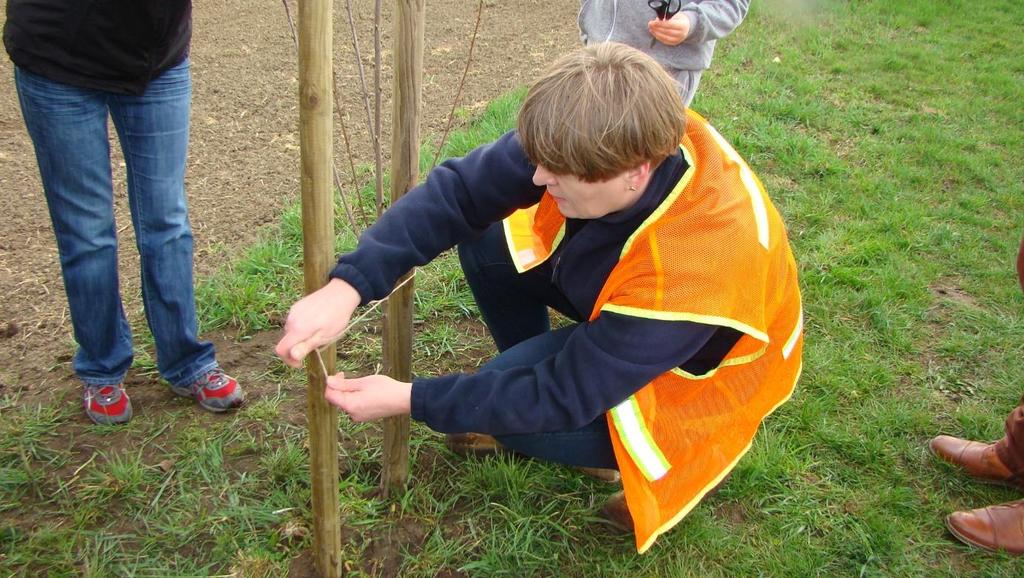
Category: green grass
<point>889,134</point>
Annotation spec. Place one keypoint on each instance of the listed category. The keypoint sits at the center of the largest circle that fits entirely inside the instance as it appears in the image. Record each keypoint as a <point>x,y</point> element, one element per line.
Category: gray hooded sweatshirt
<point>626,21</point>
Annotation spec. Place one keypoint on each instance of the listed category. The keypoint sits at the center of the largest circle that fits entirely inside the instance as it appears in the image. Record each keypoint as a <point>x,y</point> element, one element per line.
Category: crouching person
<point>614,205</point>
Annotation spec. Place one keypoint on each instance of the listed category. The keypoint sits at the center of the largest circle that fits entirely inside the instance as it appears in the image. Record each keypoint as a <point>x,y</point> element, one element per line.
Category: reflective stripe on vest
<point>750,183</point>
<point>629,421</point>
<point>787,349</point>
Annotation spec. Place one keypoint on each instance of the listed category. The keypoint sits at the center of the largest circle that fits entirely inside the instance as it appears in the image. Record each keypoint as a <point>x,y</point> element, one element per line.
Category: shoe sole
<point>996,483</point>
<point>959,468</point>
<point>967,540</point>
<point>466,451</point>
<point>118,421</point>
<point>213,409</point>
<point>602,474</point>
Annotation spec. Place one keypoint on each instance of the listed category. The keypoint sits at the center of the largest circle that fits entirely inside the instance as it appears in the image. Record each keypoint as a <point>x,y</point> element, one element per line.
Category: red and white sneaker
<point>107,404</point>
<point>215,391</point>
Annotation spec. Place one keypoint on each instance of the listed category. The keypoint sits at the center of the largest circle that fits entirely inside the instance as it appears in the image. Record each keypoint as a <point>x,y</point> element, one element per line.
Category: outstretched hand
<point>671,32</point>
<point>369,398</point>
<point>316,320</point>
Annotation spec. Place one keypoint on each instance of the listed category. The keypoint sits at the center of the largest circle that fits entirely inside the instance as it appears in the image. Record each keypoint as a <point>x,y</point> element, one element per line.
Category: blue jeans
<point>68,127</point>
<point>515,308</point>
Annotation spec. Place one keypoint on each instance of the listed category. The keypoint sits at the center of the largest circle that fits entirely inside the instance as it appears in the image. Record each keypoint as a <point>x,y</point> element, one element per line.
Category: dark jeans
<point>515,308</point>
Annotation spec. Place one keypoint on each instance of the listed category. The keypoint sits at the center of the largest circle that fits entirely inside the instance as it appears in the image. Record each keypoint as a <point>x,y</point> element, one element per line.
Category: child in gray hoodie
<point>682,44</point>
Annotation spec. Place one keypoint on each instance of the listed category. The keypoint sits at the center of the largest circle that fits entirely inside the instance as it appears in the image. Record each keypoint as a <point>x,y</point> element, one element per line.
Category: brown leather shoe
<point>604,474</point>
<point>473,444</point>
<point>617,513</point>
<point>977,459</point>
<point>995,528</point>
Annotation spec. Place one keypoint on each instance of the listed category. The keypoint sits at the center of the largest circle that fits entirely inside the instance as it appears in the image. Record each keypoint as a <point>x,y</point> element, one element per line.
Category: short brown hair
<point>599,111</point>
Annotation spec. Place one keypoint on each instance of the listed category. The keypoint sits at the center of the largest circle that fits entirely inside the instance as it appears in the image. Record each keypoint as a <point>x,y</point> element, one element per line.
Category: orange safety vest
<point>714,252</point>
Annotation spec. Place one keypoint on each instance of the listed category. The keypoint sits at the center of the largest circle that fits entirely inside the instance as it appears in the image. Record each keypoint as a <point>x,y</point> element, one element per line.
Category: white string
<point>371,306</point>
<point>323,366</point>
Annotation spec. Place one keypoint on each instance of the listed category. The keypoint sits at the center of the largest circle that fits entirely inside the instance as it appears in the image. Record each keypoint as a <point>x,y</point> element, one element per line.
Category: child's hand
<point>671,32</point>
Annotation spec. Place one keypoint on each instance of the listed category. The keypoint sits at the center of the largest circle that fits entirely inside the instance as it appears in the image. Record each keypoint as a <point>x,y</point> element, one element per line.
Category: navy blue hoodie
<point>603,362</point>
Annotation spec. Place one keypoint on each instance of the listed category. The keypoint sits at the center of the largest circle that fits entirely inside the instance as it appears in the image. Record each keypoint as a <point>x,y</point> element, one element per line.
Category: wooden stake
<point>317,155</point>
<point>405,156</point>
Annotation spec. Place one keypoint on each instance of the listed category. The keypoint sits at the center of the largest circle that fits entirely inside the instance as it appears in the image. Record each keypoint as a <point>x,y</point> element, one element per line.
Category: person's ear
<point>637,177</point>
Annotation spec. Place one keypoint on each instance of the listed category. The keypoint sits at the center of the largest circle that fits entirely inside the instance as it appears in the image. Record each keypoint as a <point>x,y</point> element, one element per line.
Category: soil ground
<point>244,156</point>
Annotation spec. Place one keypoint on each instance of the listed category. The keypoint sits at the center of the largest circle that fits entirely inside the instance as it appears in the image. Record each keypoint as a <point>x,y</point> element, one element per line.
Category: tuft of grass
<point>253,291</point>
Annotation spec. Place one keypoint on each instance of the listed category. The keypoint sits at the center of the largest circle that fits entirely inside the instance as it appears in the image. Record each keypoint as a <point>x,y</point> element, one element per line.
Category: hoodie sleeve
<point>601,364</point>
<point>459,198</point>
<point>714,19</point>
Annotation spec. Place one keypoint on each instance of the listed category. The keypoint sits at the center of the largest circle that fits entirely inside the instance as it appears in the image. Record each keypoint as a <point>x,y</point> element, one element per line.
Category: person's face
<point>578,199</point>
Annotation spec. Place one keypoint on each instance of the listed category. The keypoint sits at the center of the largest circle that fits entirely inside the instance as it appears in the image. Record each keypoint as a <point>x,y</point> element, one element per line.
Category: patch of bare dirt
<point>731,512</point>
<point>949,290</point>
<point>949,297</point>
<point>244,156</point>
<point>303,566</point>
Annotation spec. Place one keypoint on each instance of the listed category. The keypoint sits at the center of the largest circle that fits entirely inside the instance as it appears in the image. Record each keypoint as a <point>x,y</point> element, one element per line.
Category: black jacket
<point>112,45</point>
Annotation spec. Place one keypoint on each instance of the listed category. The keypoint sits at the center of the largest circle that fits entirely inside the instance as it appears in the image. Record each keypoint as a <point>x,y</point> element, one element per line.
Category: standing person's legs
<point>68,126</point>
<point>999,527</point>
<point>1010,449</point>
<point>153,130</point>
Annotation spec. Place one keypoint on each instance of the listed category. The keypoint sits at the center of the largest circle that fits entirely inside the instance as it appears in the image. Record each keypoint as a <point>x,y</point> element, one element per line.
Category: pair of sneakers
<point>215,391</point>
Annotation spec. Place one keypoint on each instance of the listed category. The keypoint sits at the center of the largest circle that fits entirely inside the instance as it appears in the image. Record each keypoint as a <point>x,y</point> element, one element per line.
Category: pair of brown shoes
<point>995,528</point>
<point>473,444</point>
<point>481,445</point>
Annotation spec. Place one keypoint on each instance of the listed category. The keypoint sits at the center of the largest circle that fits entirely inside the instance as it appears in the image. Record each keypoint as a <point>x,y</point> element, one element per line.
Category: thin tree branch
<point>376,110</point>
<point>334,167</point>
<point>462,82</point>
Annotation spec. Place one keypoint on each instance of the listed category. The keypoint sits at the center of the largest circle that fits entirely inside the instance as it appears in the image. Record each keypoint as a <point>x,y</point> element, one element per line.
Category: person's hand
<point>369,398</point>
<point>672,31</point>
<point>316,320</point>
